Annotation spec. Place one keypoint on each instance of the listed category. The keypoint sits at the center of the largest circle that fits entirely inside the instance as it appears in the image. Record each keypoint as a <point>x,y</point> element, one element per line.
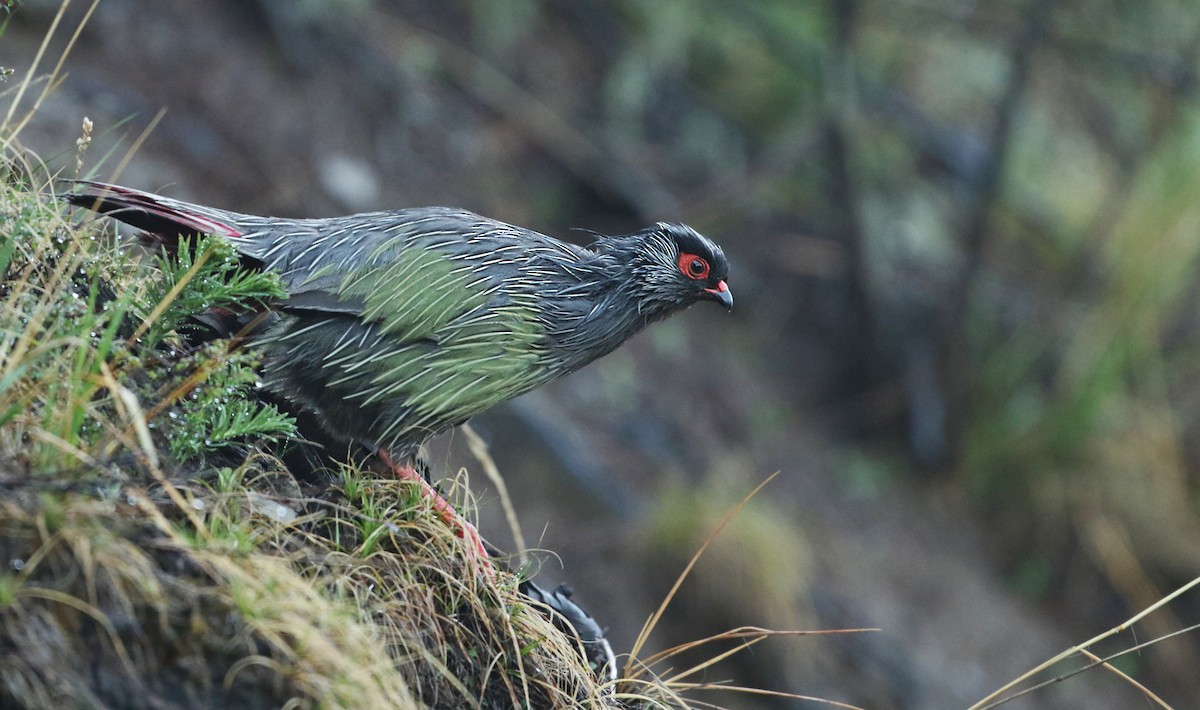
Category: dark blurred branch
<point>858,326</point>
<point>976,231</point>
<point>607,168</point>
<point>1177,75</point>
<point>956,359</point>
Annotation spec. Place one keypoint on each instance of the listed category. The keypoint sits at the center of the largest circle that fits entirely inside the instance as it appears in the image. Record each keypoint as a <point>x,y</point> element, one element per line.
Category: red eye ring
<point>693,267</point>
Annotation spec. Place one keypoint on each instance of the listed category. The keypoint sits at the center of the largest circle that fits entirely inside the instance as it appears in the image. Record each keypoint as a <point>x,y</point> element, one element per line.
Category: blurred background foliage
<point>964,239</point>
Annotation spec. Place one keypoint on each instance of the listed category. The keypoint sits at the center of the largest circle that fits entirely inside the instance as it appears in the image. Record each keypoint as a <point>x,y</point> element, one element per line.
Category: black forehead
<point>689,241</point>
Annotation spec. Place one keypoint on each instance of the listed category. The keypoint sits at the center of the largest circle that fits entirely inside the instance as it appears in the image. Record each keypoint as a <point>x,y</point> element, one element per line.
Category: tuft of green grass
<point>81,326</point>
<point>199,277</point>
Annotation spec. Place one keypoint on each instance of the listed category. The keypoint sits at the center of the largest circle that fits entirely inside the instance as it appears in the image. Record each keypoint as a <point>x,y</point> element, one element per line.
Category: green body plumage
<point>419,359</point>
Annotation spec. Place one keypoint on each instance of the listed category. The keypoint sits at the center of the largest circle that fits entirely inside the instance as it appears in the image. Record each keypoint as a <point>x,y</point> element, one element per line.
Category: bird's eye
<point>693,266</point>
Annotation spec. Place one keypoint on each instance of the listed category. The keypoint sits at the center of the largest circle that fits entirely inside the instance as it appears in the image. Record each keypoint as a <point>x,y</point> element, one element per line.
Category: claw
<point>446,512</point>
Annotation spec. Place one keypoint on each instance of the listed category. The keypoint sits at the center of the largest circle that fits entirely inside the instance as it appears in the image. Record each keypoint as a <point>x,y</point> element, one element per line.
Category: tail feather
<point>161,217</point>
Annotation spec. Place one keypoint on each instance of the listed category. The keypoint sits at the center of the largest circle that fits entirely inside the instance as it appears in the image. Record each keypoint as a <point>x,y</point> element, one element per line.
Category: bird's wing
<point>446,318</point>
<point>421,265</point>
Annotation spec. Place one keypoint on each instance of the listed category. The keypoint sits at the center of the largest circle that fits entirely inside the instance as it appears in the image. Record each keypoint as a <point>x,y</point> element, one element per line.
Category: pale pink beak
<point>721,294</point>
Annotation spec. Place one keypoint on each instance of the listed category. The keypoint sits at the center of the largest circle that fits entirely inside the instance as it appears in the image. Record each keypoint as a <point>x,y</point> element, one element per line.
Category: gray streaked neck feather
<point>621,290</point>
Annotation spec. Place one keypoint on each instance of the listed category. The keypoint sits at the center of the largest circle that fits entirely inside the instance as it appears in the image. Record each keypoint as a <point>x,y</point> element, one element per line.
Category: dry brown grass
<point>119,596</point>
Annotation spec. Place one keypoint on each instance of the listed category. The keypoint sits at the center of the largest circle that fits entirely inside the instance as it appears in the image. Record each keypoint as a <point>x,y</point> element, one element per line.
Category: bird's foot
<point>461,527</point>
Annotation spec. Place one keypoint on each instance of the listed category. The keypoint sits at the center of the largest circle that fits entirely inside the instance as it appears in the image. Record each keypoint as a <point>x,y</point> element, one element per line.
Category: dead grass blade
<point>743,632</point>
<point>56,77</point>
<point>998,697</point>
<point>644,635</point>
<point>137,144</point>
<point>1125,677</point>
<point>771,693</point>
<point>37,59</point>
<point>479,450</point>
<point>1088,667</point>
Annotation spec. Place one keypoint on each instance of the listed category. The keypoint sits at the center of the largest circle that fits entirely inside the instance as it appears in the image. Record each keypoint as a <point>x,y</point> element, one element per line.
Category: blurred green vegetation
<point>1009,194</point>
<point>1011,186</point>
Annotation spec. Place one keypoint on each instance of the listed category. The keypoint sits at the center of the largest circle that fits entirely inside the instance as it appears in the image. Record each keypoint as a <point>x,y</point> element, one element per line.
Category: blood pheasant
<point>402,324</point>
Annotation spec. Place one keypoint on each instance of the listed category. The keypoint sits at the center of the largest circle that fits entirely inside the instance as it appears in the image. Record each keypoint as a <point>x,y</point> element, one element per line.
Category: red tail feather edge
<point>145,210</point>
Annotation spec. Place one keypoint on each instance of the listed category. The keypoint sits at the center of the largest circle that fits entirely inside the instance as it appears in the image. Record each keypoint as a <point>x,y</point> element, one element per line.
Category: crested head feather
<point>647,266</point>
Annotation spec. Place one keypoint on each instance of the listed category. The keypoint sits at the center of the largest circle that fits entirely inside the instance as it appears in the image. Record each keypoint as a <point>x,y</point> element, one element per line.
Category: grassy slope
<point>156,551</point>
<point>190,574</point>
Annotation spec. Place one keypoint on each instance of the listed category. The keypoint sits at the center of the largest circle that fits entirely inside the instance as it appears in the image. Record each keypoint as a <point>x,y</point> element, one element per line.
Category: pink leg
<point>445,511</point>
